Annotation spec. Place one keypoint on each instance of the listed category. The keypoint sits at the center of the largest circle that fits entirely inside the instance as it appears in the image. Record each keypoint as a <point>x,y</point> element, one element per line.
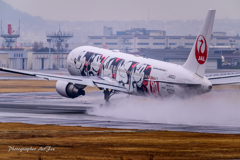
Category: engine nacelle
<point>69,90</point>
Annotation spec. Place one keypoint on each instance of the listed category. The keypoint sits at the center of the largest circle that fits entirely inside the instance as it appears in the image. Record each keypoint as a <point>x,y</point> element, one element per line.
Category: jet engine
<point>69,90</point>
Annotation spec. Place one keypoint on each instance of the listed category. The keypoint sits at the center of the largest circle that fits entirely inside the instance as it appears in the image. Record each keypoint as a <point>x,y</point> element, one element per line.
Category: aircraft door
<point>130,85</point>
<point>105,69</point>
<point>136,79</point>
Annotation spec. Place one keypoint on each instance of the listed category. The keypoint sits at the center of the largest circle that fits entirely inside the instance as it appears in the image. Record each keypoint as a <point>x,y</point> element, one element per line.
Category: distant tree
<point>46,49</point>
<point>35,46</point>
<point>40,46</point>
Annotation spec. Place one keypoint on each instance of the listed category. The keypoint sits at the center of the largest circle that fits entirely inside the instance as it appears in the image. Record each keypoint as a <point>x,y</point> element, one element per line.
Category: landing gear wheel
<point>108,94</point>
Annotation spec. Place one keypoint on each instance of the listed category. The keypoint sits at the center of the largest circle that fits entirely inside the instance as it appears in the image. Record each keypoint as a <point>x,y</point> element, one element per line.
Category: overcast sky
<point>127,10</point>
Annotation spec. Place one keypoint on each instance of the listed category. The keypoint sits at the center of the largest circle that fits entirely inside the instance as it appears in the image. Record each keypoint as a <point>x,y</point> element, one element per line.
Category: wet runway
<point>220,116</point>
<point>215,112</point>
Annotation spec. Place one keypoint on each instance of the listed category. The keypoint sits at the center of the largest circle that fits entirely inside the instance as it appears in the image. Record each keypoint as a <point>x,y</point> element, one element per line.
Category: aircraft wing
<point>89,81</point>
<point>224,78</point>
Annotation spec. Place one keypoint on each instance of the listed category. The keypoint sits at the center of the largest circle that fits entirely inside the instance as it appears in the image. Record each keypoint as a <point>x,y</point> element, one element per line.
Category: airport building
<point>26,60</point>
<point>174,49</point>
<point>40,60</point>
<point>16,59</point>
<point>179,56</point>
<point>4,59</point>
<point>136,39</point>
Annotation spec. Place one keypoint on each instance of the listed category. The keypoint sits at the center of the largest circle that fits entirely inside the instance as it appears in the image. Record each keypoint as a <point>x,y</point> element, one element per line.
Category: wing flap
<point>110,83</point>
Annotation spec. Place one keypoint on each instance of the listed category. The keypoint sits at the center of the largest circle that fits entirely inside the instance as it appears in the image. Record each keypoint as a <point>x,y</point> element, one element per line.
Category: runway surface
<point>216,112</point>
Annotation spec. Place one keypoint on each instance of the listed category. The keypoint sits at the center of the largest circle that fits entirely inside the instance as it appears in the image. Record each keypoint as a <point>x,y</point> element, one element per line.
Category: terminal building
<point>27,60</point>
<point>16,59</point>
<point>138,38</point>
<point>40,60</point>
<point>174,49</point>
<point>179,56</point>
<point>4,59</point>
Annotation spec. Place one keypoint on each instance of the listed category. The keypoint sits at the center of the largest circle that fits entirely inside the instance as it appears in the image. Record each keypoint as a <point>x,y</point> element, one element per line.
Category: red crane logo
<point>201,49</point>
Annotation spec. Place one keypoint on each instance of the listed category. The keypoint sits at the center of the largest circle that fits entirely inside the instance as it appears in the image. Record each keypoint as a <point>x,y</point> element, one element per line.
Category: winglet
<point>197,58</point>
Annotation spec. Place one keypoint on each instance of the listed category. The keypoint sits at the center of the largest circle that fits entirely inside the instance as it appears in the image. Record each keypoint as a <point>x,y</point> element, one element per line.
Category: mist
<point>212,109</point>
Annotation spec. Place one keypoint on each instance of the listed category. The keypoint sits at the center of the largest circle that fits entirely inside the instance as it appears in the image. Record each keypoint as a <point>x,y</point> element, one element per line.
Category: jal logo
<point>201,49</point>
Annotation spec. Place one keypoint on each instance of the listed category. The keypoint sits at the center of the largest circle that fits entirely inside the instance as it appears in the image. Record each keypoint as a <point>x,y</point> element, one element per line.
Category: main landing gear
<point>108,94</point>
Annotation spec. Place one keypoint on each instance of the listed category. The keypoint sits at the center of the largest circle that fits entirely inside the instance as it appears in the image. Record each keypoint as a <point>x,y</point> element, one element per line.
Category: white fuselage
<point>133,71</point>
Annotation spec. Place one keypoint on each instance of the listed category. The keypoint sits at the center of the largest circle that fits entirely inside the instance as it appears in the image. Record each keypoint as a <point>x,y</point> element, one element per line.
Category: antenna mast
<point>58,38</point>
<point>10,38</point>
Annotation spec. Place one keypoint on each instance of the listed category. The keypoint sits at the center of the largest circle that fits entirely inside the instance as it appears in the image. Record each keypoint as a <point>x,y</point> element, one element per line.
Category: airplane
<point>113,71</point>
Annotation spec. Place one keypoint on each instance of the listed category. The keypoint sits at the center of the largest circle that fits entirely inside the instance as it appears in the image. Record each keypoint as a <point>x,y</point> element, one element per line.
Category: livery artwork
<point>124,72</point>
<point>132,75</point>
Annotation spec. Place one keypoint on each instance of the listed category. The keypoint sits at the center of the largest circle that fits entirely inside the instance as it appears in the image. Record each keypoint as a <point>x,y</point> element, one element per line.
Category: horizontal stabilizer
<point>232,78</point>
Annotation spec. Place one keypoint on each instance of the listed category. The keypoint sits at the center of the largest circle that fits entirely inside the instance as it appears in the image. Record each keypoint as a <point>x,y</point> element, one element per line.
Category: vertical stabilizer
<point>197,58</point>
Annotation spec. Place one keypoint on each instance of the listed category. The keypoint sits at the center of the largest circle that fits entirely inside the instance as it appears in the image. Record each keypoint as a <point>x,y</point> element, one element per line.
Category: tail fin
<point>197,58</point>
